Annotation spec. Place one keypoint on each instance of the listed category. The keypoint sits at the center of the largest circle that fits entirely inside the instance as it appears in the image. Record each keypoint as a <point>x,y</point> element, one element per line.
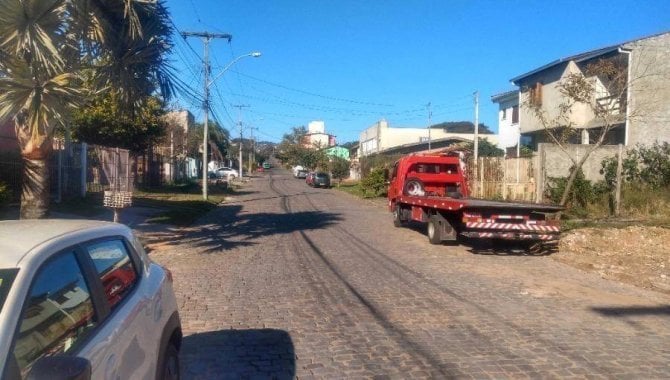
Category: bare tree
<point>602,90</point>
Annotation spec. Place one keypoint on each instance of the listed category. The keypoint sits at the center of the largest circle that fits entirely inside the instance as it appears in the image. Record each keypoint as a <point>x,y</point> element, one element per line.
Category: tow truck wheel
<point>414,187</point>
<point>396,216</point>
<point>434,231</point>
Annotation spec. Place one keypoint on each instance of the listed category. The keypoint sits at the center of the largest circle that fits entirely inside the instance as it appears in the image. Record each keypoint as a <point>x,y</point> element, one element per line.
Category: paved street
<point>288,281</point>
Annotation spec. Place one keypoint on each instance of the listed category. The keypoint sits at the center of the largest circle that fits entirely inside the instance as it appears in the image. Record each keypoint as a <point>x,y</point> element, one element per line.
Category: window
<point>503,114</point>
<point>57,314</point>
<point>536,94</point>
<point>6,278</point>
<point>116,270</point>
<point>515,114</point>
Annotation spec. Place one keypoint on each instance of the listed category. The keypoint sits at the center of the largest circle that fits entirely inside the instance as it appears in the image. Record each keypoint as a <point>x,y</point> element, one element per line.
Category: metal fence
<point>76,169</point>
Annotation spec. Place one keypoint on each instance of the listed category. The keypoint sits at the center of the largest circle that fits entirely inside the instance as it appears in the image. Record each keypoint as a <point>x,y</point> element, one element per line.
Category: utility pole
<point>206,37</point>
<point>430,122</point>
<point>476,126</point>
<point>252,152</point>
<point>239,122</point>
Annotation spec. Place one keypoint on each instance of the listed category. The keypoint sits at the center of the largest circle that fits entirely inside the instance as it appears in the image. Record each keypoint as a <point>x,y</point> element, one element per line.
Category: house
<point>381,138</point>
<point>316,136</point>
<point>508,119</point>
<point>338,151</point>
<point>179,123</point>
<point>639,111</point>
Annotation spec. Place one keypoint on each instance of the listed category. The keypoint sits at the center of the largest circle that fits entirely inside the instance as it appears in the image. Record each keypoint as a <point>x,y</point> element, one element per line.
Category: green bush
<point>582,194</point>
<point>643,166</point>
<point>374,184</point>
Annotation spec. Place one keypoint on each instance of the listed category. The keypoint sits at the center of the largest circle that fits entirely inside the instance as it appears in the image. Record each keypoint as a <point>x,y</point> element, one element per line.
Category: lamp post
<point>205,138</point>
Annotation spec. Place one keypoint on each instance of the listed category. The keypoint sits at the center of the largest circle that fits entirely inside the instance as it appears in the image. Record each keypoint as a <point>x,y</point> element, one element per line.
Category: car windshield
<point>322,175</point>
<point>6,278</point>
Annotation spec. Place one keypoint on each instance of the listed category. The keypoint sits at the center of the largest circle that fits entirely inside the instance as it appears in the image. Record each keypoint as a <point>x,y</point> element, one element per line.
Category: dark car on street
<point>318,179</point>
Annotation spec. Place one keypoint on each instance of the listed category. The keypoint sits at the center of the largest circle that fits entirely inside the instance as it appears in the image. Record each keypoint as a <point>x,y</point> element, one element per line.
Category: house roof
<point>581,57</point>
<point>504,95</point>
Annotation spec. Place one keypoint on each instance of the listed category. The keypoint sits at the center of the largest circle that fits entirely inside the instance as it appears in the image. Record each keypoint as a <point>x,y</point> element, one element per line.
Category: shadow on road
<point>230,227</point>
<point>237,354</point>
<point>632,311</point>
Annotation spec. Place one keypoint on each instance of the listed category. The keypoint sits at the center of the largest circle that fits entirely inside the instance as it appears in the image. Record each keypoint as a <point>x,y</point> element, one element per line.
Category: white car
<point>226,172</point>
<point>80,299</point>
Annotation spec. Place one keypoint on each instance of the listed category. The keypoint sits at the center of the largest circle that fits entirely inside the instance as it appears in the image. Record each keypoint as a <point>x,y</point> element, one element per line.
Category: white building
<point>380,137</point>
<point>316,135</point>
<point>508,118</point>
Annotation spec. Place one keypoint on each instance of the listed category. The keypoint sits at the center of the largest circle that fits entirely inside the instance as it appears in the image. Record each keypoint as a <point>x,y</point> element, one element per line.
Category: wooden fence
<point>502,178</point>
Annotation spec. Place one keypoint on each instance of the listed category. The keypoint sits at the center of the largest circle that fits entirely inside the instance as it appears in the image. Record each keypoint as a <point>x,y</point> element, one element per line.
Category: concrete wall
<point>551,161</point>
<point>649,91</point>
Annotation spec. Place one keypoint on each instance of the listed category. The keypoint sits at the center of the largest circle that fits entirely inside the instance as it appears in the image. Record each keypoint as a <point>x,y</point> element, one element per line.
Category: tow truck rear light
<point>472,218</point>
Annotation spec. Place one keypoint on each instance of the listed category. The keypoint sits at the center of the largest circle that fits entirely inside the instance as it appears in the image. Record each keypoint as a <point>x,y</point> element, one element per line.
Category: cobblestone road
<point>288,281</point>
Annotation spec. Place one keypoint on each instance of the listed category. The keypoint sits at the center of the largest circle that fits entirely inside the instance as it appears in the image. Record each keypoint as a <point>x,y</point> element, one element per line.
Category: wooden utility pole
<point>239,122</point>
<point>206,37</point>
<point>430,122</point>
<point>476,145</point>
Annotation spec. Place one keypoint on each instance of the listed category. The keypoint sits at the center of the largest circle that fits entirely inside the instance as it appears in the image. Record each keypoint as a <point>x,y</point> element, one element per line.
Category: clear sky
<point>351,63</point>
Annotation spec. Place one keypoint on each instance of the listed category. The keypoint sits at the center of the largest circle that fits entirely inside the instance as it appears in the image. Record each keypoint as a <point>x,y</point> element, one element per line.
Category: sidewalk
<point>134,217</point>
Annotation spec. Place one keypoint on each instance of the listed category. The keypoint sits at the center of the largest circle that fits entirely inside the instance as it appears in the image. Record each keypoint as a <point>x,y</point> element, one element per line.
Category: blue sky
<point>351,63</point>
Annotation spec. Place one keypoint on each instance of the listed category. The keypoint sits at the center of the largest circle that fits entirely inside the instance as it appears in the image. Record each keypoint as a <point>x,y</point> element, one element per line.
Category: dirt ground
<point>636,255</point>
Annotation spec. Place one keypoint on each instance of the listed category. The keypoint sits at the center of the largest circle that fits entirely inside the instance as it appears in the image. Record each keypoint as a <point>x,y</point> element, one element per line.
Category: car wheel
<point>170,370</point>
<point>434,231</point>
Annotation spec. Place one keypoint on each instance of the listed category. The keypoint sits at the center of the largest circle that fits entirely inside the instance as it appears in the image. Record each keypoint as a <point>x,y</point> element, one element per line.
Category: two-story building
<point>637,109</point>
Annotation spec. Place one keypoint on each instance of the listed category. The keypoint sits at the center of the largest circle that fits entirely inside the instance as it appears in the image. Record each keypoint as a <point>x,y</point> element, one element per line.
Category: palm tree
<point>54,53</point>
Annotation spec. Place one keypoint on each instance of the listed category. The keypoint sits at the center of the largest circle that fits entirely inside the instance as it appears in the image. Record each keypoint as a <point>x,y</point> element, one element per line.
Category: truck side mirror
<point>60,367</point>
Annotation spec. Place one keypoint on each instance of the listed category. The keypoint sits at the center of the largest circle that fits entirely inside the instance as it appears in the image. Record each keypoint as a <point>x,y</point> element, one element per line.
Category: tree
<point>103,124</point>
<point>610,75</point>
<point>219,146</point>
<point>54,52</point>
<point>485,148</point>
<point>462,127</point>
<point>339,168</point>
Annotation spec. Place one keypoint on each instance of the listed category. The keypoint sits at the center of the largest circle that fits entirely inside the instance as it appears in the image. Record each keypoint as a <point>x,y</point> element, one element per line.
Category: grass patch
<point>573,224</point>
<point>353,188</point>
<point>89,206</point>
<point>182,203</point>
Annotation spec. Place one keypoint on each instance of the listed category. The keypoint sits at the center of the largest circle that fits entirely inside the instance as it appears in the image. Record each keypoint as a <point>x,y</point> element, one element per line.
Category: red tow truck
<point>433,189</point>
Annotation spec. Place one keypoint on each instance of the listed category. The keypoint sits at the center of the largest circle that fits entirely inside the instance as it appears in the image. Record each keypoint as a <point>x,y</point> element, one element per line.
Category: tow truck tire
<point>434,230</point>
<point>414,187</point>
<point>396,216</point>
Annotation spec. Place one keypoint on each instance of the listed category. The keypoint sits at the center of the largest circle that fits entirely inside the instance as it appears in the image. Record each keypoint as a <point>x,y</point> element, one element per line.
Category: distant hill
<point>462,127</point>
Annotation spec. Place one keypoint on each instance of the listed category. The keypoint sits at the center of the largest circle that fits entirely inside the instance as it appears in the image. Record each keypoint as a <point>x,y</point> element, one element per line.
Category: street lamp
<point>205,139</point>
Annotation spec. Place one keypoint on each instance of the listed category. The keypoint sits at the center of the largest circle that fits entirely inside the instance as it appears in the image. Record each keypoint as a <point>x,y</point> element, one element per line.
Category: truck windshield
<point>6,278</point>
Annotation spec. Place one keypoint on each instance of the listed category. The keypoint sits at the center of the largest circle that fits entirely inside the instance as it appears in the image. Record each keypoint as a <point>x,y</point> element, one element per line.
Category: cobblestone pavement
<point>288,281</point>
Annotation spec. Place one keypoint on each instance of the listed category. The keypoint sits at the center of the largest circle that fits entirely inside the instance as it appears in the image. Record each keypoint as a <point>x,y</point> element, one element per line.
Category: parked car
<point>296,169</point>
<point>226,172</point>
<point>266,165</point>
<point>81,299</point>
<point>302,174</point>
<point>318,179</point>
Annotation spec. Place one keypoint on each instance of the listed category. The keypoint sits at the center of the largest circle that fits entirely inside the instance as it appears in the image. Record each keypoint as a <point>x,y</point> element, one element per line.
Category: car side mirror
<point>60,367</point>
